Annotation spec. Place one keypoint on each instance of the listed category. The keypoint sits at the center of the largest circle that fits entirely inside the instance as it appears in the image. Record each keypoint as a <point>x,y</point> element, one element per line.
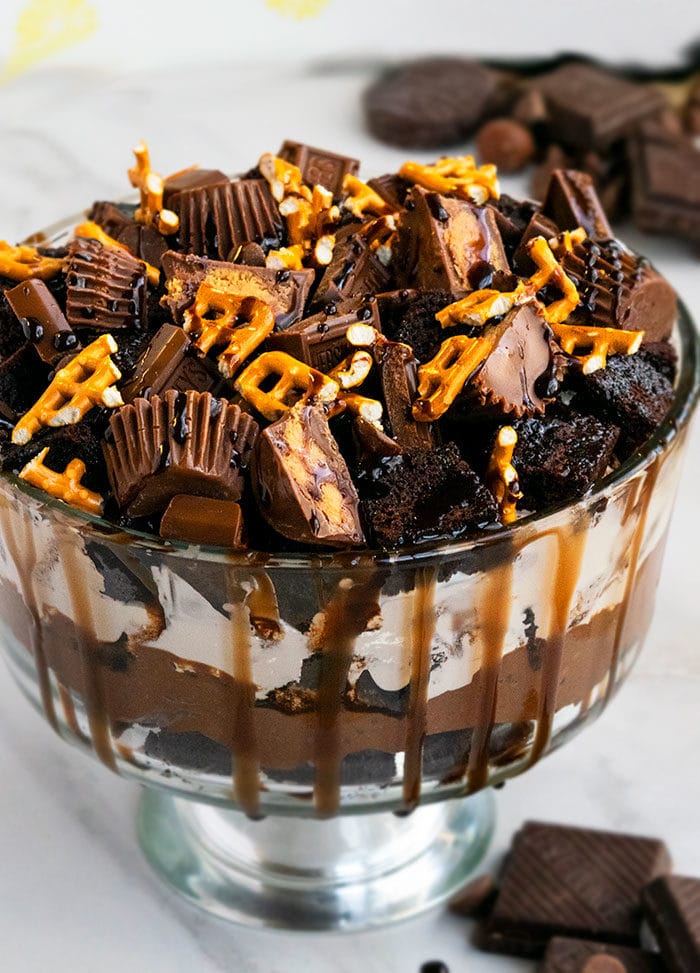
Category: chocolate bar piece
<point>318,166</point>
<point>157,364</point>
<point>539,225</point>
<point>442,240</point>
<point>106,287</point>
<point>398,373</point>
<point>302,482</point>
<point>203,520</point>
<point>510,380</point>
<point>666,188</point>
<point>590,107</point>
<point>620,290</point>
<point>354,270</point>
<point>672,907</point>
<point>561,457</point>
<point>43,322</point>
<point>574,882</point>
<point>191,179</point>
<point>320,340</point>
<point>143,242</point>
<point>571,201</point>
<point>284,290</point>
<point>578,956</point>
<point>425,495</point>
<point>391,187</point>
<point>255,216</point>
<point>183,442</point>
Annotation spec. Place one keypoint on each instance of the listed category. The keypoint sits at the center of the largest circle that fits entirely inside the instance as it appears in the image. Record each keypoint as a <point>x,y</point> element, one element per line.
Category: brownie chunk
<point>577,956</point>
<point>83,440</point>
<point>569,881</point>
<point>630,393</point>
<point>663,356</point>
<point>425,495</point>
<point>429,102</point>
<point>411,320</point>
<point>560,458</point>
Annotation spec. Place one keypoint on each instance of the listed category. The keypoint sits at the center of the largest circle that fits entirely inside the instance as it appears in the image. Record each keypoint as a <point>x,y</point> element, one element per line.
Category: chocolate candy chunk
<point>203,520</point>
<point>371,444</point>
<point>250,254</point>
<point>189,179</point>
<point>574,882</point>
<point>106,287</point>
<point>398,374</point>
<point>630,393</point>
<point>666,188</point>
<point>442,239</point>
<point>302,483</point>
<point>512,217</point>
<point>255,216</point>
<point>186,443</point>
<point>558,458</point>
<point>354,270</point>
<point>579,956</point>
<point>510,380</point>
<point>118,221</point>
<point>320,340</point>
<point>424,495</point>
<point>672,907</point>
<point>42,320</point>
<point>430,102</point>
<point>539,225</point>
<point>589,107</point>
<point>157,364</point>
<point>318,166</point>
<point>571,201</point>
<point>391,187</point>
<point>285,291</point>
<point>620,290</point>
<point>507,143</point>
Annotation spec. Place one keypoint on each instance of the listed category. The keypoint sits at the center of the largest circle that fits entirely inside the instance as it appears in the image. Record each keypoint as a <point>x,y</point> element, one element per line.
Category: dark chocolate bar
<point>398,373</point>
<point>571,201</point>
<point>672,908</point>
<point>578,956</point>
<point>666,187</point>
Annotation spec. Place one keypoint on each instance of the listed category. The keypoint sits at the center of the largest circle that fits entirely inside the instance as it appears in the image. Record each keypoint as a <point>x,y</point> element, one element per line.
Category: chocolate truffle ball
<point>506,143</point>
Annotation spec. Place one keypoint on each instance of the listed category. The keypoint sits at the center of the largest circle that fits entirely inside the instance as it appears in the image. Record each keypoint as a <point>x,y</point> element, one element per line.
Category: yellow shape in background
<point>45,27</point>
<point>299,9</point>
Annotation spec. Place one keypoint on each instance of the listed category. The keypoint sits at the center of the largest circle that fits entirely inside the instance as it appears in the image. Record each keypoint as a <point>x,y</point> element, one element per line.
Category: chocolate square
<point>320,340</point>
<point>666,187</point>
<point>571,201</point>
<point>672,907</point>
<point>570,881</point>
<point>318,166</point>
<point>354,271</point>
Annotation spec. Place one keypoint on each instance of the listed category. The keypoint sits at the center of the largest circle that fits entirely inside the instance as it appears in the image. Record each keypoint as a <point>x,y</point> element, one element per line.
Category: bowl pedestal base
<point>346,873</point>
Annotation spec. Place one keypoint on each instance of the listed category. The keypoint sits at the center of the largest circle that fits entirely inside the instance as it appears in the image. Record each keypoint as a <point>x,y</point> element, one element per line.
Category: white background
<point>75,894</point>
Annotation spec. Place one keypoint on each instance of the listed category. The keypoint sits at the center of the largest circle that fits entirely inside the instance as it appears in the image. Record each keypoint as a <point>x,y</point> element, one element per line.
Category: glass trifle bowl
<point>285,712</point>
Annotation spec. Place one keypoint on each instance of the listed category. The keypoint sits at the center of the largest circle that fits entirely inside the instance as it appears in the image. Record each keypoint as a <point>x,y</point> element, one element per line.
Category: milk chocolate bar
<point>318,166</point>
<point>572,201</point>
<point>320,340</point>
<point>43,323</point>
<point>203,520</point>
<point>398,371</point>
<point>355,269</point>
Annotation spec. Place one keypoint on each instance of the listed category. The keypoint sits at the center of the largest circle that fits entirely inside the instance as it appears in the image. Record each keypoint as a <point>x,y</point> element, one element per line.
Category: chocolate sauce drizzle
<point>420,625</point>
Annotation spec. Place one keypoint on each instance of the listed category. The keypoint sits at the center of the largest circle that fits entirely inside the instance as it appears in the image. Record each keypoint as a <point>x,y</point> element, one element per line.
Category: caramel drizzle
<point>24,557</point>
<point>492,621</point>
<point>647,484</point>
<point>263,607</point>
<point>86,641</point>
<point>346,617</point>
<point>571,543</point>
<point>244,743</point>
<point>421,628</point>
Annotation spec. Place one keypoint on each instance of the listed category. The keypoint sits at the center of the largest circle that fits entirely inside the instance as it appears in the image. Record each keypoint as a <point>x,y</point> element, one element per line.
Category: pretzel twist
<point>23,262</point>
<point>442,379</point>
<point>352,370</point>
<point>359,198</point>
<point>296,381</point>
<point>215,317</point>
<point>93,231</point>
<point>86,381</point>
<point>459,176</point>
<point>600,343</point>
<point>502,477</point>
<point>64,486</point>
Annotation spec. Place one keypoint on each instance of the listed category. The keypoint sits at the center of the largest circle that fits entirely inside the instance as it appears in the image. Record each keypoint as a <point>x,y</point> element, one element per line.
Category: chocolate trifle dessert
<point>328,485</point>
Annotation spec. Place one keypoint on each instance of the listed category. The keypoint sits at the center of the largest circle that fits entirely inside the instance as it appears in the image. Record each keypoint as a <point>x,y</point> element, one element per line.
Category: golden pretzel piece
<point>283,177</point>
<point>458,175</point>
<point>597,342</point>
<point>481,306</point>
<point>441,380</point>
<point>64,486</point>
<point>23,262</point>
<point>363,407</point>
<point>286,258</point>
<point>353,370</point>
<point>87,380</point>
<point>502,477</point>
<point>296,381</point>
<point>93,231</point>
<point>151,186</point>
<point>239,322</point>
<point>359,198</point>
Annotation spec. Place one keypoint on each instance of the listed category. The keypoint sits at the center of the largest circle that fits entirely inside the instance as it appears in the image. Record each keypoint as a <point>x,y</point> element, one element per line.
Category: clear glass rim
<point>687,392</point>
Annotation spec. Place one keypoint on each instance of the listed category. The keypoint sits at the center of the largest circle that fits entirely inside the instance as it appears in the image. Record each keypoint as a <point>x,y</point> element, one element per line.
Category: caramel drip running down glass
<point>286,712</point>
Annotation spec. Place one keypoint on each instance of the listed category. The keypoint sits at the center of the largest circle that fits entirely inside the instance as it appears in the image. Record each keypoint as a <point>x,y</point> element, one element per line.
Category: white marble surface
<point>75,894</point>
